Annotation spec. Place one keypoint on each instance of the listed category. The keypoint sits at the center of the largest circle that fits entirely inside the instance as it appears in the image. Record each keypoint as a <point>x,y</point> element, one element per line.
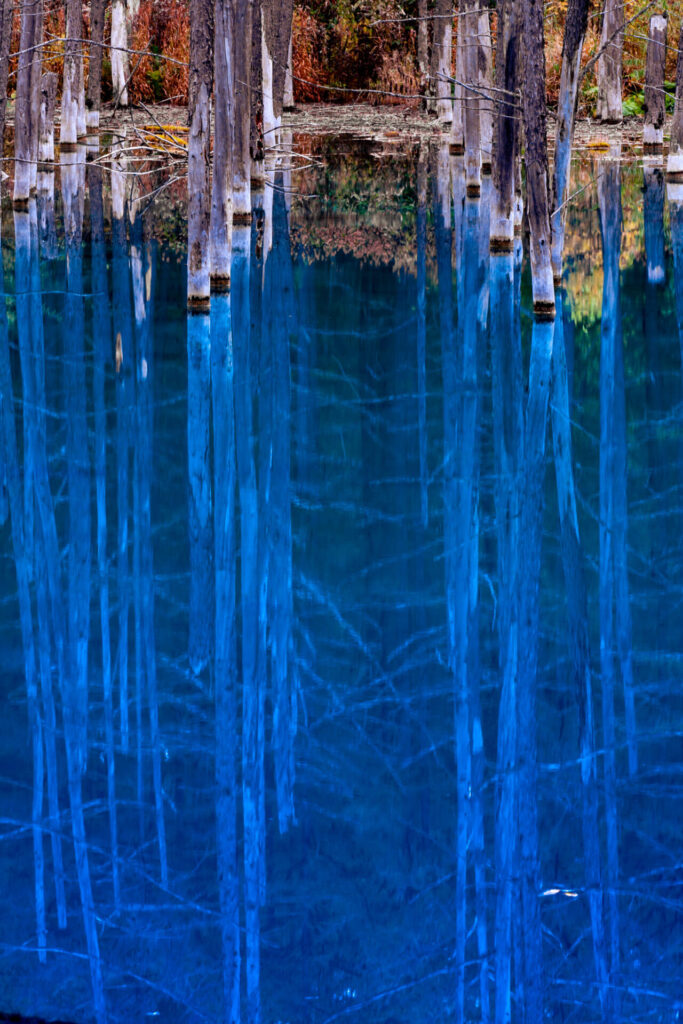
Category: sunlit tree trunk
<point>220,228</point>
<point>225,564</point>
<point>94,94</point>
<point>506,127</point>
<point>655,109</point>
<point>120,64</point>
<point>536,159</point>
<point>579,649</point>
<point>243,100</point>
<point>73,76</point>
<point>609,196</point>
<point>572,50</point>
<point>610,62</point>
<point>198,174</point>
<point>288,98</point>
<point>674,166</point>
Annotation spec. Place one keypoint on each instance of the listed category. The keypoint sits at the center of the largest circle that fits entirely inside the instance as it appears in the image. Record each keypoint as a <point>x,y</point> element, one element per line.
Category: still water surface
<point>282,546</point>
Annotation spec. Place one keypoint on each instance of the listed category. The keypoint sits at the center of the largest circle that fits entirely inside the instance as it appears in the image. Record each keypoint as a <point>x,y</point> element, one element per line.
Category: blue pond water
<point>310,546</point>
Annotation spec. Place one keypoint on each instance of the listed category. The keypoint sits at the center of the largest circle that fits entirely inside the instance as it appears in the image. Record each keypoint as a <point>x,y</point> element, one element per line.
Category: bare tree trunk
<point>73,77</point>
<point>457,143</point>
<point>288,99</point>
<point>674,166</point>
<point>469,21</point>
<point>441,59</point>
<point>6,17</point>
<point>423,44</point>
<point>36,58</point>
<point>486,102</point>
<point>572,50</point>
<point>506,127</point>
<point>94,95</point>
<point>243,99</point>
<point>48,96</point>
<point>220,228</point>
<point>120,65</point>
<point>199,199</point>
<point>655,108</point>
<point>276,36</point>
<point>256,125</point>
<point>25,115</point>
<point>610,62</point>
<point>536,158</point>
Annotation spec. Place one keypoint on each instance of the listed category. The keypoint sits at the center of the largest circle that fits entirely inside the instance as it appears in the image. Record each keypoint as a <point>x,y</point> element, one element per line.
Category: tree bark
<point>6,18</point>
<point>674,166</point>
<point>610,70</point>
<point>469,20</point>
<point>485,63</point>
<point>243,99</point>
<point>655,108</point>
<point>220,228</point>
<point>48,97</point>
<point>120,64</point>
<point>94,94</point>
<point>199,201</point>
<point>73,77</point>
<point>457,143</point>
<point>423,44</point>
<point>257,124</point>
<point>506,127</point>
<point>441,59</point>
<point>24,115</point>
<point>572,50</point>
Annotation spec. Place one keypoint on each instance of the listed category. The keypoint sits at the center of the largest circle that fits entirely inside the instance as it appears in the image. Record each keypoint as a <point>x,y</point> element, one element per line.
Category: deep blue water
<point>286,542</point>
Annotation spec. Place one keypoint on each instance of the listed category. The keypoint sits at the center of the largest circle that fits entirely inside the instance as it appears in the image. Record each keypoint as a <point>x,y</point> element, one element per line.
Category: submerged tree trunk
<point>94,95</point>
<point>536,159</point>
<point>655,108</point>
<point>505,127</point>
<point>242,124</point>
<point>609,196</point>
<point>674,166</point>
<point>198,174</point>
<point>572,50</point>
<point>610,63</point>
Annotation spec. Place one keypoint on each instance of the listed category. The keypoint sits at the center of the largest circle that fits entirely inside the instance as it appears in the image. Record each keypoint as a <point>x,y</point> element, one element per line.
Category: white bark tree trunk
<point>120,66</point>
<point>486,106</point>
<point>674,167</point>
<point>73,77</point>
<point>48,96</point>
<point>610,62</point>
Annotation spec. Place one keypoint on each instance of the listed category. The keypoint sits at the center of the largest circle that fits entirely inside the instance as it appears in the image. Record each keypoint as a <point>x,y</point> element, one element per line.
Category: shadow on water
<point>341,625</point>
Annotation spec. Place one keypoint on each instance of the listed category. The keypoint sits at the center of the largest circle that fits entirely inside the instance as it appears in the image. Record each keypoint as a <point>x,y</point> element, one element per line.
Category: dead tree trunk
<point>534,108</point>
<point>241,213</point>
<point>73,76</point>
<point>610,63</point>
<point>221,186</point>
<point>46,139</point>
<point>506,127</point>
<point>655,110</point>
<point>470,22</point>
<point>199,201</point>
<point>120,69</point>
<point>441,59</point>
<point>6,13</point>
<point>23,112</point>
<point>457,145</point>
<point>423,44</point>
<point>276,39</point>
<point>674,167</point>
<point>94,95</point>
<point>485,64</point>
<point>36,58</point>
<point>572,49</point>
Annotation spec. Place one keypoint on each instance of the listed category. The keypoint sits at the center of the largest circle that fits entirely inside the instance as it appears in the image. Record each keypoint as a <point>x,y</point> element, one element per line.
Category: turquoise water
<point>285,543</point>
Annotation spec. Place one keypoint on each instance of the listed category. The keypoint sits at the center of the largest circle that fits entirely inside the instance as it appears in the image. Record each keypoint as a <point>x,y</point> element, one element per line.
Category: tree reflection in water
<point>330,686</point>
